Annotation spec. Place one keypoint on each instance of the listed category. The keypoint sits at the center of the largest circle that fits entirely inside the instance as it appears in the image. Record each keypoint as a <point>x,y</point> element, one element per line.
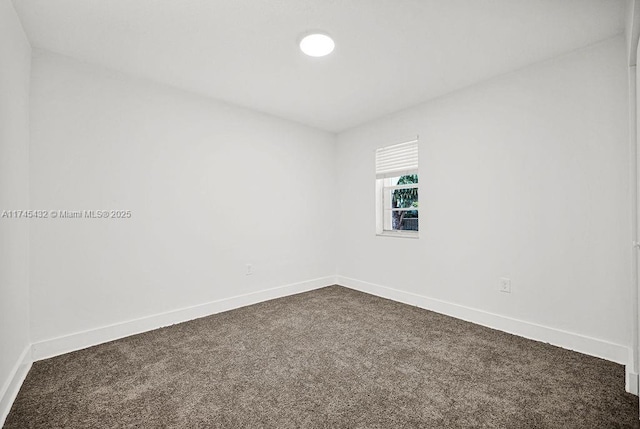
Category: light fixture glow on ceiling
<point>317,45</point>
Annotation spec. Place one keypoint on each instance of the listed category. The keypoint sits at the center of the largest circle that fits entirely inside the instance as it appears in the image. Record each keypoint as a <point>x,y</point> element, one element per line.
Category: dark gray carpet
<point>330,358</point>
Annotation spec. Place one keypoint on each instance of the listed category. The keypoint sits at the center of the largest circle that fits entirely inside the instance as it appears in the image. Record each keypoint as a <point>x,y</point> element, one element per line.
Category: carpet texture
<point>330,358</point>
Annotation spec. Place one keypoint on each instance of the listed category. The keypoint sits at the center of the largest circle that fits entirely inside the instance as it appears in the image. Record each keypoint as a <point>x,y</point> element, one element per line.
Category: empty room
<point>319,214</point>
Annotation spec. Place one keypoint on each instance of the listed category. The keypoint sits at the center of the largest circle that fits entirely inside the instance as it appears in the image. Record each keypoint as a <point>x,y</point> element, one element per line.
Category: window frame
<point>383,203</point>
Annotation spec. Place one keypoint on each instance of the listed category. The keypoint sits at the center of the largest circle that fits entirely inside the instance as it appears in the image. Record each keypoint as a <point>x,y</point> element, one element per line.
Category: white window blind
<point>397,160</point>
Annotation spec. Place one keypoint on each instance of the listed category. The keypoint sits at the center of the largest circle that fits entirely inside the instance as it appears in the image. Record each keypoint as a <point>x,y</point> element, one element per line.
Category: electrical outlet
<point>249,270</point>
<point>505,285</point>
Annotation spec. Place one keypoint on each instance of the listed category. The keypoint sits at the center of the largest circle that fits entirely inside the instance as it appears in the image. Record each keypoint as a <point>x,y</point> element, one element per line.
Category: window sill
<point>398,234</point>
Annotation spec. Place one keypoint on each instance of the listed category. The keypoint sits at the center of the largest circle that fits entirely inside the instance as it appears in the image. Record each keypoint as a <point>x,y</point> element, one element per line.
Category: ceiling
<point>389,55</point>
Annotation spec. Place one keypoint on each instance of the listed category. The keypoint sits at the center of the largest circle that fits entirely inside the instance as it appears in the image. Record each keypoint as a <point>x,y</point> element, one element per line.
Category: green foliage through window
<point>405,198</point>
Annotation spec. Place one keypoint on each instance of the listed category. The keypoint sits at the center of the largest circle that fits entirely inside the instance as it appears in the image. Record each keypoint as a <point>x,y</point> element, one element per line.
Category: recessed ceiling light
<point>317,45</point>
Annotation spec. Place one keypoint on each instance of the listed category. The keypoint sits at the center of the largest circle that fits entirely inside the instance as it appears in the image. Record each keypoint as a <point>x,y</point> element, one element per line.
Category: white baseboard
<point>80,340</point>
<point>568,340</point>
<point>12,385</point>
<point>631,381</point>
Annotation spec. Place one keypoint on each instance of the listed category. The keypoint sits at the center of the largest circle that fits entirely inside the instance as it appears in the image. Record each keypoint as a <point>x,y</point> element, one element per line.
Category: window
<point>397,190</point>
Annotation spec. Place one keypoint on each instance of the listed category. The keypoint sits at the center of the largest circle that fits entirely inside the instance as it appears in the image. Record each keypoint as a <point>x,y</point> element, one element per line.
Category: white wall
<point>15,59</point>
<point>210,186</point>
<point>525,177</point>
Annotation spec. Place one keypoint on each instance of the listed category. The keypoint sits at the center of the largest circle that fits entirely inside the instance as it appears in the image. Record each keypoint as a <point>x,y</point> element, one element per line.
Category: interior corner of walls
<point>12,385</point>
<point>568,340</point>
<point>80,340</point>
